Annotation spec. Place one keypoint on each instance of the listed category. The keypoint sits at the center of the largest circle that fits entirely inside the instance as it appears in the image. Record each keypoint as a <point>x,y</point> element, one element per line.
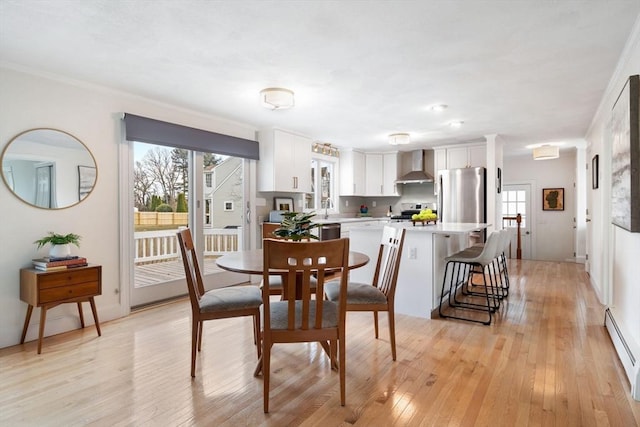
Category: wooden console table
<point>47,289</point>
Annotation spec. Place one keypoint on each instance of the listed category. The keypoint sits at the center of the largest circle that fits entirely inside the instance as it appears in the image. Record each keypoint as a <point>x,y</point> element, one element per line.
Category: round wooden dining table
<point>250,262</point>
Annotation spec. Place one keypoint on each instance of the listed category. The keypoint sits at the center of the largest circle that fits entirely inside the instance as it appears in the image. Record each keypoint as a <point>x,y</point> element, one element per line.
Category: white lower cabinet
<point>444,245</point>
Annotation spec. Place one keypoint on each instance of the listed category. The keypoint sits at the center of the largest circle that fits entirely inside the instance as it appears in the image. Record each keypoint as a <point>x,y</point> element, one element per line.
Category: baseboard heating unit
<point>629,360</point>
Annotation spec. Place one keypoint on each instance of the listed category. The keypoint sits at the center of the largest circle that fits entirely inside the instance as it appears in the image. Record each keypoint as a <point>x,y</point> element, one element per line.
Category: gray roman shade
<point>151,131</point>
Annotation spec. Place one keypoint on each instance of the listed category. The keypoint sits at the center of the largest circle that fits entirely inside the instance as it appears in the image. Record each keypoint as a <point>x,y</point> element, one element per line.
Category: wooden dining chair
<point>306,319</point>
<point>379,295</point>
<point>277,282</point>
<point>232,301</point>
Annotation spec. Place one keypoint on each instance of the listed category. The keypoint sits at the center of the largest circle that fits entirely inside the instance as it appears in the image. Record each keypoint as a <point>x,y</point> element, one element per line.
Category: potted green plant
<point>60,243</point>
<point>296,226</point>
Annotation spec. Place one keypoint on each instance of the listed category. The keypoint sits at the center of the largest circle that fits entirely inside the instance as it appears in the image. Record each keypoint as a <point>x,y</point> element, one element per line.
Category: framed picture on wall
<point>553,199</point>
<point>625,157</point>
<point>283,204</point>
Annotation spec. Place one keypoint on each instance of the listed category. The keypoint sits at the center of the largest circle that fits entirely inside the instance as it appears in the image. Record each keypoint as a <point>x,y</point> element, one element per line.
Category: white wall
<point>553,234</point>
<point>92,115</point>
<point>614,252</point>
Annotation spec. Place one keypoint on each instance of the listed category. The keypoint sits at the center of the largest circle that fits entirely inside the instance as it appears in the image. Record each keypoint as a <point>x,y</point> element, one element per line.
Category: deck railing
<point>154,246</point>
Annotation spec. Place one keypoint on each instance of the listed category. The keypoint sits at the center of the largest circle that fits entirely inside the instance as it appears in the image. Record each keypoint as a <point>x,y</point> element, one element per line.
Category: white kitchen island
<point>422,266</point>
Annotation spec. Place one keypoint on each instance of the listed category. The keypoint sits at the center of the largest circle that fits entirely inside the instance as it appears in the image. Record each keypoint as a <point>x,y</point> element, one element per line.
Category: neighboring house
<point>223,194</point>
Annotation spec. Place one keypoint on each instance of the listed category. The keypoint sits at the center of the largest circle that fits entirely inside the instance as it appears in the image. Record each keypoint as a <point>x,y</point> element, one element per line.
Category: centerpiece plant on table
<point>297,226</point>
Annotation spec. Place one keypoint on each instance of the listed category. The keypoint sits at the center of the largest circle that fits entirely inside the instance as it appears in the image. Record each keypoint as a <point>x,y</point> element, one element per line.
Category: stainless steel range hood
<point>417,175</point>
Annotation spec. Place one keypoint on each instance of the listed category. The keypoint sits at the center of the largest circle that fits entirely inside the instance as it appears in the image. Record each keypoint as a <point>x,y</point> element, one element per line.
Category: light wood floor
<point>547,360</point>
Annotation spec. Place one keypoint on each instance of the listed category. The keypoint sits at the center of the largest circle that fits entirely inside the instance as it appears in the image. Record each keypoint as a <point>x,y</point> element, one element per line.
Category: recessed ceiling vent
<point>417,174</point>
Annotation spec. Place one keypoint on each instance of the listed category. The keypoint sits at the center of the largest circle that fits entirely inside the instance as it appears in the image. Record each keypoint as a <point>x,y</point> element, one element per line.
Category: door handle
<point>527,232</point>
<point>588,220</point>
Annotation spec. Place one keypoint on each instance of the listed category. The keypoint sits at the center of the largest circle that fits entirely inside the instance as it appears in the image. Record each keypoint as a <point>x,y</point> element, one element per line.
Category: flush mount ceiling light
<point>456,123</point>
<point>399,138</point>
<point>546,152</point>
<point>277,98</point>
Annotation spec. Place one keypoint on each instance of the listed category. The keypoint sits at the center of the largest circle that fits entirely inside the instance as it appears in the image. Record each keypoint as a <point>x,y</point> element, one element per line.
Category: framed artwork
<point>553,199</point>
<point>625,157</point>
<point>283,204</point>
<point>86,180</point>
<point>595,171</point>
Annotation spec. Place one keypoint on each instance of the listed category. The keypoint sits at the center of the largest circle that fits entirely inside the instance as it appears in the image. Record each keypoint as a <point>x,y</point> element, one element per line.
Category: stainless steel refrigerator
<point>462,197</point>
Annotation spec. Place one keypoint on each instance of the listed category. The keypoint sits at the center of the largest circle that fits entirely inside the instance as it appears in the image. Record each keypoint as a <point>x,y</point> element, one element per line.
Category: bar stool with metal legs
<point>461,266</point>
<point>498,268</point>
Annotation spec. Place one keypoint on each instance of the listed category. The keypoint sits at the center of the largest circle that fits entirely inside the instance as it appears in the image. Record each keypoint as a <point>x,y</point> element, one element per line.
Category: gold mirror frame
<point>48,168</point>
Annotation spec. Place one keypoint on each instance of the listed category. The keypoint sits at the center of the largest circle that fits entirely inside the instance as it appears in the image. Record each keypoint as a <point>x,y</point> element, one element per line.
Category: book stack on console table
<point>59,263</point>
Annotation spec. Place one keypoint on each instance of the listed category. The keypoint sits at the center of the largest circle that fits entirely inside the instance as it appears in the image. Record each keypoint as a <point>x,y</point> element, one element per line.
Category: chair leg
<point>392,332</point>
<point>195,326</point>
<point>256,334</point>
<point>200,335</point>
<point>375,322</point>
<point>333,354</point>
<point>341,336</point>
<point>266,360</point>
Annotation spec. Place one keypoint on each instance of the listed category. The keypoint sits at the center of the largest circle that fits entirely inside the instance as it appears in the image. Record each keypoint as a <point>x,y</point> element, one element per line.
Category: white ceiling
<point>530,71</point>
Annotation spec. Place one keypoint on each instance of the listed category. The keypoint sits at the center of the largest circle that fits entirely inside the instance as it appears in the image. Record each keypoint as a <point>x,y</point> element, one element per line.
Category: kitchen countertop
<point>339,220</point>
<point>439,228</point>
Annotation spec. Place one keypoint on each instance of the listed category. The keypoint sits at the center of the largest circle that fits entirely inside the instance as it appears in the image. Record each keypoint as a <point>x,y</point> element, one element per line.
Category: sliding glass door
<point>174,188</point>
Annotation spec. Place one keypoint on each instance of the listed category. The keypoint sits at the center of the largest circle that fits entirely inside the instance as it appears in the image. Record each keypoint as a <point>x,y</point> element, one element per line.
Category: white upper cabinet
<point>285,162</point>
<point>460,156</point>
<point>466,156</point>
<point>351,173</point>
<point>381,171</point>
<point>370,174</point>
<point>457,157</point>
<point>374,174</point>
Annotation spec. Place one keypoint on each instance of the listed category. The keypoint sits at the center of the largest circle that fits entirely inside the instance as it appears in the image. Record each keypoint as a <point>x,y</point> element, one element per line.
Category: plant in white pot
<point>60,243</point>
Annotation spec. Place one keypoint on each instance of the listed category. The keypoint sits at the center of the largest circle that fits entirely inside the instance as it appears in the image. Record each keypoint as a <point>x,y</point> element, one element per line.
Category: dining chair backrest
<point>388,263</point>
<point>191,268</point>
<point>300,262</point>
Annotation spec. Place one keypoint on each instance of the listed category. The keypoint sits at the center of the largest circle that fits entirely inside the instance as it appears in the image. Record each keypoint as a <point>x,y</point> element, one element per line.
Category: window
<point>514,203</point>
<point>208,179</point>
<point>322,186</point>
<point>207,211</point>
<point>228,206</point>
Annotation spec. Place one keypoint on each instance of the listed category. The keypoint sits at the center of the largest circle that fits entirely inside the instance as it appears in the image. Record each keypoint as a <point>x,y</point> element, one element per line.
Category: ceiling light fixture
<point>456,124</point>
<point>277,98</point>
<point>546,152</point>
<point>399,138</point>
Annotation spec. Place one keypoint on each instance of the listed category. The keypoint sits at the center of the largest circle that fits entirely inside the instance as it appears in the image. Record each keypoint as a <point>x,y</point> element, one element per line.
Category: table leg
<point>43,318</point>
<point>95,315</point>
<point>26,323</point>
<point>80,313</point>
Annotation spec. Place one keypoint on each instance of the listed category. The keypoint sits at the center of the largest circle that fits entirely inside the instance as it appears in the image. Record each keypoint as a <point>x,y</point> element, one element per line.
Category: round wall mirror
<point>48,168</point>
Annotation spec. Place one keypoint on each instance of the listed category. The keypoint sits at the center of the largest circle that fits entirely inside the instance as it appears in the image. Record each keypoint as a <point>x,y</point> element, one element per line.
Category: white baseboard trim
<point>626,354</point>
